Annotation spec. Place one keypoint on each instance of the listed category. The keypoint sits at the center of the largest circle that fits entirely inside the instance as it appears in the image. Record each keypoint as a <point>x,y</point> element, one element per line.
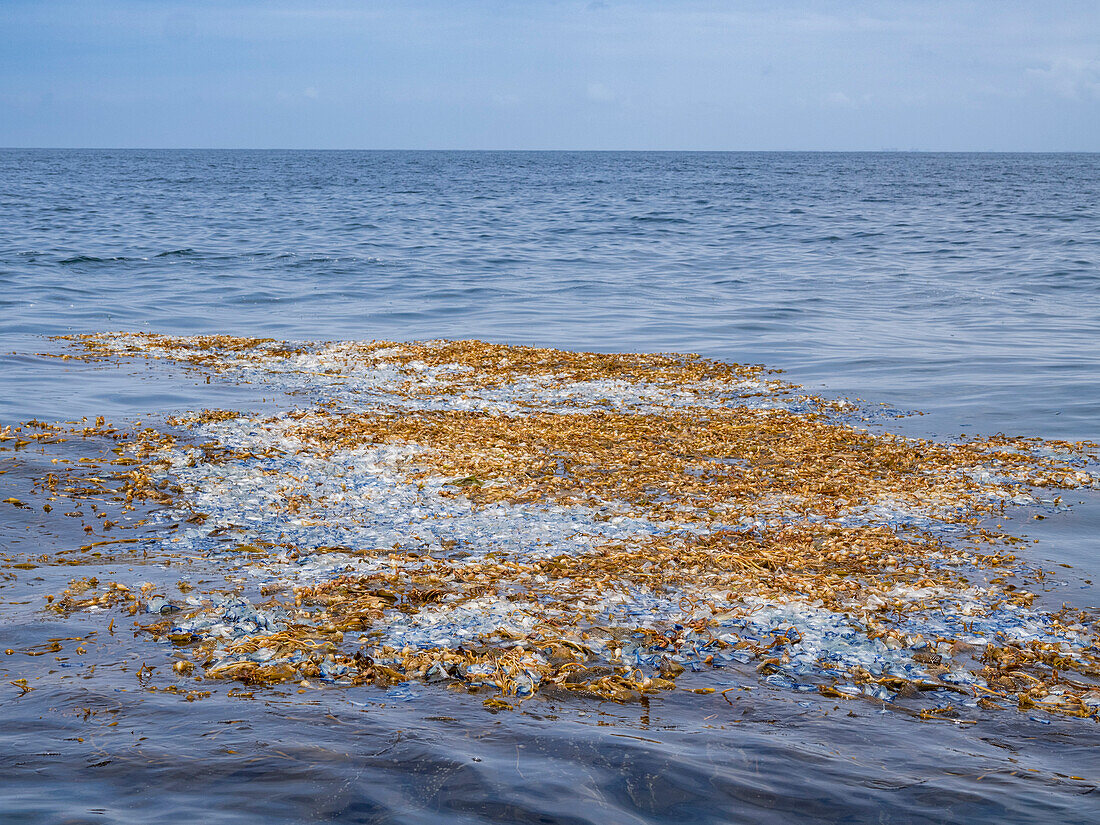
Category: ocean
<point>961,288</point>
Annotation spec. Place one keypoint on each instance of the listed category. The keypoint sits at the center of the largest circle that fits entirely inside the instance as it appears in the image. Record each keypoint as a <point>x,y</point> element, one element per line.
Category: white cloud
<point>308,93</point>
<point>600,93</point>
<point>841,100</point>
<point>1070,77</point>
<point>838,99</point>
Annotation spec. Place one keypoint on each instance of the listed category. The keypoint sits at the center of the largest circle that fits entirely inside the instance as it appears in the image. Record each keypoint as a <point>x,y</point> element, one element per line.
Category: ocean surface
<point>962,286</point>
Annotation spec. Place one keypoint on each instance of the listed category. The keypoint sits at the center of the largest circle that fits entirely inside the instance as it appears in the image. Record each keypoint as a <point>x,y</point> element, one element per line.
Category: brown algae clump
<point>520,520</point>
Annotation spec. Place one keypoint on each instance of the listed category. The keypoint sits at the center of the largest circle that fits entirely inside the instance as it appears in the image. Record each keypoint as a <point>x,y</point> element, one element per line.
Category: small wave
<point>657,219</point>
<point>92,259</point>
<point>95,259</point>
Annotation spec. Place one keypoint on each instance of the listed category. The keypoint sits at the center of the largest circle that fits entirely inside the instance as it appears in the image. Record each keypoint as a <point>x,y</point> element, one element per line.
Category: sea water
<point>966,287</point>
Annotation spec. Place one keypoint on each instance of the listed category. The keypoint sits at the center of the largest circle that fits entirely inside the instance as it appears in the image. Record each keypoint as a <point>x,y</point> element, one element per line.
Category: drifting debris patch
<point>517,520</point>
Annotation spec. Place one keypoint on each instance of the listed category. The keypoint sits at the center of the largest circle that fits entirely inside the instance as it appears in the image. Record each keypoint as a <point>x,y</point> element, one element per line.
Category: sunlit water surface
<point>963,286</point>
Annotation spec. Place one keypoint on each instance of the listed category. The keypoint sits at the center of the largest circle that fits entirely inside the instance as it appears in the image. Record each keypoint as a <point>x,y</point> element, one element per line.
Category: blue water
<point>963,286</point>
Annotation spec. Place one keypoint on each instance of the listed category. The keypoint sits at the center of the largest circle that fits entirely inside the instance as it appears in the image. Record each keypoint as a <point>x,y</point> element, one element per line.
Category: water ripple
<point>961,285</point>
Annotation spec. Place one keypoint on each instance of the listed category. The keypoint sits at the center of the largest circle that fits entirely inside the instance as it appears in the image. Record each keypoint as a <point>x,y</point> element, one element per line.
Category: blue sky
<point>540,74</point>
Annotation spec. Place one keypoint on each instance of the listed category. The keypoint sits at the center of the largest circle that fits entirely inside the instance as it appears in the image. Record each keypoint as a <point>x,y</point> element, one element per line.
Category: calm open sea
<point>965,286</point>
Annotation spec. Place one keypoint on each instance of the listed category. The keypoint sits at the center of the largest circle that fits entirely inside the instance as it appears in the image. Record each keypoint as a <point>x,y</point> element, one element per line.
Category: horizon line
<point>886,150</point>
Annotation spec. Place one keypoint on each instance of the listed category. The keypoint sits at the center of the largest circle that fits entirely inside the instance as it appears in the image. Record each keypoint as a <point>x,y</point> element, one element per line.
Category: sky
<point>932,75</point>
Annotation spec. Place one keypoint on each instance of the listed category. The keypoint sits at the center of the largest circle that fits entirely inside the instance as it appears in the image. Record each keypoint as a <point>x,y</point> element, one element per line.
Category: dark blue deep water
<point>963,286</point>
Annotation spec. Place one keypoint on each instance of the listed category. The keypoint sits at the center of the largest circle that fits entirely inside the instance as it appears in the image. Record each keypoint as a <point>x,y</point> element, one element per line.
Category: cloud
<point>599,93</point>
<point>1070,77</point>
<point>838,99</point>
<point>308,93</point>
<point>841,100</point>
<point>667,73</point>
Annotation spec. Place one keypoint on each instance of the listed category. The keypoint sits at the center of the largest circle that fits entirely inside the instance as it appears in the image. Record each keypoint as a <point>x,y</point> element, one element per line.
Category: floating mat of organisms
<point>519,520</point>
